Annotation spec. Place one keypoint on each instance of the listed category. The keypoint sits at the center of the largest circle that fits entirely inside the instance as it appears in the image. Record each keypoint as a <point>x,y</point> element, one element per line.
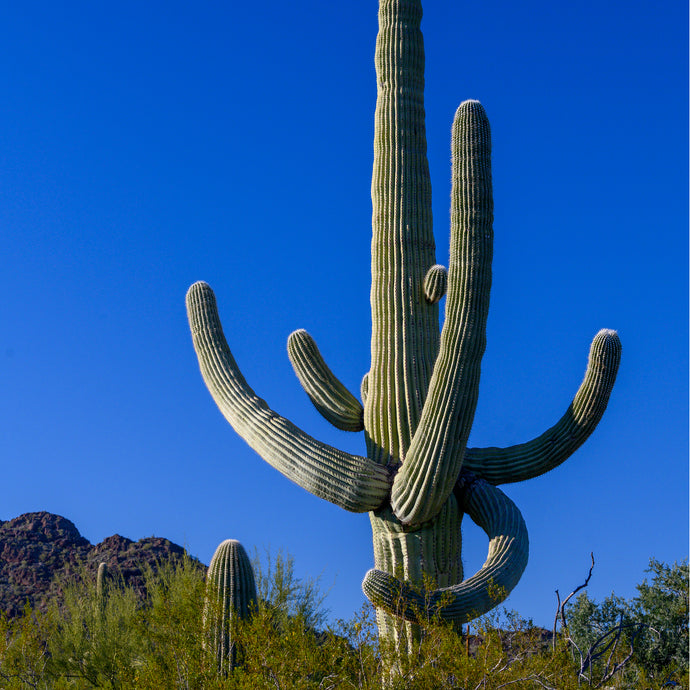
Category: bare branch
<point>560,612</point>
<point>610,646</point>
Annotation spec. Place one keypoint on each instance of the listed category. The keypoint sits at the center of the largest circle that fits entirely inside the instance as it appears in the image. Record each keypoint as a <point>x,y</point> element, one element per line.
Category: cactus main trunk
<point>427,556</point>
<point>405,326</point>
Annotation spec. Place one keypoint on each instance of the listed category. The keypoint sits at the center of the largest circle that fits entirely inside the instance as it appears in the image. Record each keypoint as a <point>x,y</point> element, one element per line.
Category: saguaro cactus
<point>230,595</point>
<point>418,477</point>
<point>102,582</point>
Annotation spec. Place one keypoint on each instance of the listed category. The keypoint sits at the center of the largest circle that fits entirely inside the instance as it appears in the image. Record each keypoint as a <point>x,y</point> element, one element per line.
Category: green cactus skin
<point>102,582</point>
<point>557,444</point>
<point>435,283</point>
<point>230,595</point>
<point>419,397</point>
<point>329,395</point>
<point>352,482</point>
<point>498,516</point>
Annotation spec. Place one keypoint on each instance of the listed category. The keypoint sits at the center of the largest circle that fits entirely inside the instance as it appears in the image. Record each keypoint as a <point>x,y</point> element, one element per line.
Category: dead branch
<point>560,612</point>
<point>610,646</point>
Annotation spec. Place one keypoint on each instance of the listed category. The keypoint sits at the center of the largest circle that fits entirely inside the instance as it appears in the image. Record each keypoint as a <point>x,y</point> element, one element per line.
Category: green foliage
<point>283,595</point>
<point>170,625</point>
<point>651,628</point>
<point>24,650</point>
<point>159,643</point>
<point>95,637</point>
<point>663,606</point>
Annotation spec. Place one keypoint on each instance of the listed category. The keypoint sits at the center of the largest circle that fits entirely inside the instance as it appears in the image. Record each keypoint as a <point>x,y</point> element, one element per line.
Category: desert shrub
<point>122,642</point>
<point>662,606</point>
<point>283,595</point>
<point>170,626</point>
<point>501,650</point>
<point>646,635</point>
<point>24,650</point>
<point>95,641</point>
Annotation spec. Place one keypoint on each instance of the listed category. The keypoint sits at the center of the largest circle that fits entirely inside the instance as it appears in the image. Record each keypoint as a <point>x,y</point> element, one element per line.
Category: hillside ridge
<point>39,551</point>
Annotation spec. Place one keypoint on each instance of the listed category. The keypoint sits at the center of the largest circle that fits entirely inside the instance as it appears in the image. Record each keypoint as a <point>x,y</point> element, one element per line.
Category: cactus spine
<point>418,477</point>
<point>230,596</point>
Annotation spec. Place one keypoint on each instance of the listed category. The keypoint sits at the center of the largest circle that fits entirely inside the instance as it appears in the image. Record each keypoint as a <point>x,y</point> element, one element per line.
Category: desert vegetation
<point>110,638</point>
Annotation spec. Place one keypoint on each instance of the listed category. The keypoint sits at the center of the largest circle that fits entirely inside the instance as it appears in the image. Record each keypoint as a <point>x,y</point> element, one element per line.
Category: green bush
<point>651,628</point>
<point>124,642</point>
<point>24,650</point>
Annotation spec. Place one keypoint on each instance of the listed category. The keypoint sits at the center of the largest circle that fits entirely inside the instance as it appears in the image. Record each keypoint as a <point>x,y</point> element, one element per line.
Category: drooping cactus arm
<point>352,482</point>
<point>330,397</point>
<point>527,460</point>
<point>435,456</point>
<point>500,518</point>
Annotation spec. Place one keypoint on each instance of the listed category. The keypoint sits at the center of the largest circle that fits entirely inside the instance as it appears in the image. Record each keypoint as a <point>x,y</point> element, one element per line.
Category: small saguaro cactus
<point>418,477</point>
<point>102,581</point>
<point>230,596</point>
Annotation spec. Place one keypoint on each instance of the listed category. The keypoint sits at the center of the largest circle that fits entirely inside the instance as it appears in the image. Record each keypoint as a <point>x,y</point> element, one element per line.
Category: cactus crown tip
<point>471,109</point>
<point>607,335</point>
<point>229,542</point>
<point>200,285</point>
<point>199,290</point>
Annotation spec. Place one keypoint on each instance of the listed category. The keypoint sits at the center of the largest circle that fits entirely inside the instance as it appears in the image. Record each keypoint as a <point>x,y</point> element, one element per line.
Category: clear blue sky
<point>144,146</point>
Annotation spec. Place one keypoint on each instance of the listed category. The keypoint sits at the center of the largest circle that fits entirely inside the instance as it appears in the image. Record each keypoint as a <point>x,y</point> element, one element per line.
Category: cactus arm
<point>557,444</point>
<point>435,283</point>
<point>352,482</point>
<point>330,397</point>
<point>500,518</point>
<point>435,456</point>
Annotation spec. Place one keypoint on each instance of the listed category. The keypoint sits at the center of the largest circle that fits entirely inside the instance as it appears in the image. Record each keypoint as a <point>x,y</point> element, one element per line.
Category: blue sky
<point>155,144</point>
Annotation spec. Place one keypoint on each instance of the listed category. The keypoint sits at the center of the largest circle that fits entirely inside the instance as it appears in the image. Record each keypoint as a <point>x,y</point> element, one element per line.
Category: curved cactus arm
<point>557,444</point>
<point>435,456</point>
<point>352,482</point>
<point>330,397</point>
<point>500,518</point>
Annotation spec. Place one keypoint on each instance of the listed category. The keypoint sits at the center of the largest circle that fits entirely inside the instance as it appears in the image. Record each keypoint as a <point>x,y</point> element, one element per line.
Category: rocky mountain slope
<point>40,550</point>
